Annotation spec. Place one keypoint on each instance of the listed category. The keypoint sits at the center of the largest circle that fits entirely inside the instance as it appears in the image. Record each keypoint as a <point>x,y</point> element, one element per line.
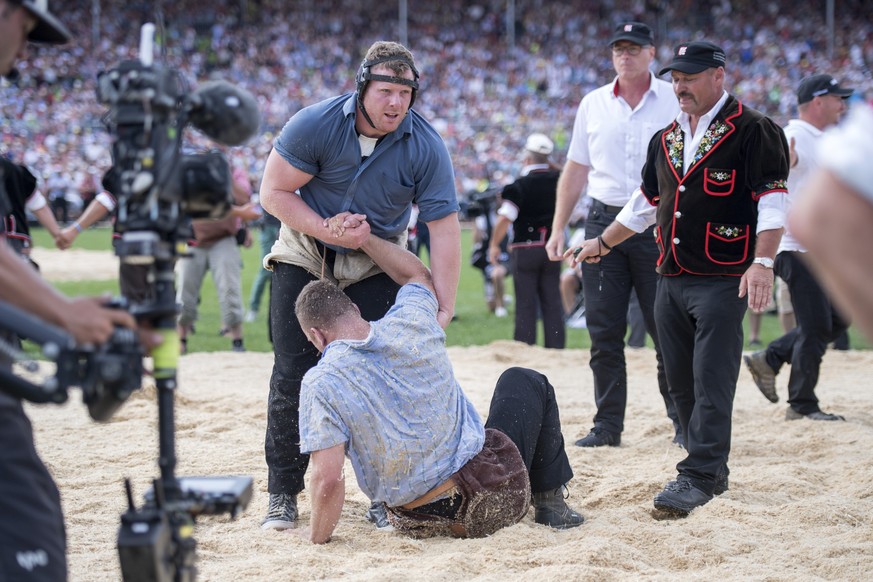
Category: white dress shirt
<point>611,138</point>
<point>805,137</point>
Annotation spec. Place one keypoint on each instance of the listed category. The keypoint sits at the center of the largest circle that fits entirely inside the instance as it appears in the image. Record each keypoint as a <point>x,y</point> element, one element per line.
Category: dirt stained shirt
<point>394,400</point>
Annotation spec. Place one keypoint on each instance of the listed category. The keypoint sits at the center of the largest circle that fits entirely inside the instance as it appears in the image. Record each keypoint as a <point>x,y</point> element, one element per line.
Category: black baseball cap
<point>635,32</point>
<point>48,28</point>
<point>695,57</point>
<point>822,84</point>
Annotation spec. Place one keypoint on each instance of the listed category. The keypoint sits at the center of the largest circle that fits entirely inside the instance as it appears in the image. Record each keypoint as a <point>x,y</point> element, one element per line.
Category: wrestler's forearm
<point>327,505</point>
<point>327,491</point>
<point>445,264</point>
<point>278,196</point>
<point>398,263</point>
<point>295,214</point>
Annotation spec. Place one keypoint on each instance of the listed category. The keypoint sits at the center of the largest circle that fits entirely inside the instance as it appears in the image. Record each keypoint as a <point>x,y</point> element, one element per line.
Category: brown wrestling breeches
<point>492,491</point>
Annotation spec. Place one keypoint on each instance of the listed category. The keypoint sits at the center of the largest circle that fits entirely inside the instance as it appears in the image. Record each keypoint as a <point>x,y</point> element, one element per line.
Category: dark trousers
<point>524,408</point>
<point>537,290</point>
<point>700,323</point>
<point>637,336</point>
<point>607,287</point>
<point>293,356</point>
<point>32,537</point>
<point>61,209</point>
<point>818,324</point>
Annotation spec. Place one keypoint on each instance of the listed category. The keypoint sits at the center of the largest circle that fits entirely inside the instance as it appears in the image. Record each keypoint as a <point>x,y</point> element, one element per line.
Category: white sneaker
<point>251,316</point>
<point>500,312</point>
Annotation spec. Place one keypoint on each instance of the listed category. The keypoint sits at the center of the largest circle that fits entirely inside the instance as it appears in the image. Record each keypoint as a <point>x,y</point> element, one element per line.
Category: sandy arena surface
<point>800,505</point>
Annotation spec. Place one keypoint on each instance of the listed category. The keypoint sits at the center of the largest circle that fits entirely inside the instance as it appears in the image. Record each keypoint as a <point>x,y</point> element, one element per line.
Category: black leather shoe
<point>792,414</point>
<point>679,440</point>
<point>599,437</point>
<point>721,484</point>
<point>680,497</point>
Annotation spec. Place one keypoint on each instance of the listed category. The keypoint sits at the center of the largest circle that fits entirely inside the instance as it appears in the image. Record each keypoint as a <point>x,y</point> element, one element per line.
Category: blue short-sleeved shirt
<point>393,399</point>
<point>408,165</point>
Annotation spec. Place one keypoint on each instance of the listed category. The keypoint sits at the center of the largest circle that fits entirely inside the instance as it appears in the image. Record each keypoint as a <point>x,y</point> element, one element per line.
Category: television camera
<point>107,374</point>
<point>159,190</point>
<point>480,203</point>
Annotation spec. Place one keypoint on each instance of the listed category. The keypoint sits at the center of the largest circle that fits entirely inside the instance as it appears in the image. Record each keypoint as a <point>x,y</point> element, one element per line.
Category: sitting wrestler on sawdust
<point>384,394</point>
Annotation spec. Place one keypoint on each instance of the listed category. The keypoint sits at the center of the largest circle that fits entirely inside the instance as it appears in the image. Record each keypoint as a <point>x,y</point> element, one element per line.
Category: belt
<point>431,495</point>
<point>606,207</point>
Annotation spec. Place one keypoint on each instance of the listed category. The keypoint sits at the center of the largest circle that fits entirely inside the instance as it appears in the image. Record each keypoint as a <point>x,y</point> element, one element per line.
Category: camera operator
<point>32,537</point>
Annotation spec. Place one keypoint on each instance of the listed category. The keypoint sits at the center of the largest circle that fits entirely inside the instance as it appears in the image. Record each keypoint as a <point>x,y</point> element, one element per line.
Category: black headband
<point>368,76</point>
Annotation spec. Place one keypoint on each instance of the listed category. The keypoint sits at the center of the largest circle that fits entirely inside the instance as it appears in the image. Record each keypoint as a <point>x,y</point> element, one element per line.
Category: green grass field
<point>474,324</point>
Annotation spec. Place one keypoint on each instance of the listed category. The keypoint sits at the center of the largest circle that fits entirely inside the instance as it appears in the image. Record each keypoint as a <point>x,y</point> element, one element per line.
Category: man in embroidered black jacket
<point>714,185</point>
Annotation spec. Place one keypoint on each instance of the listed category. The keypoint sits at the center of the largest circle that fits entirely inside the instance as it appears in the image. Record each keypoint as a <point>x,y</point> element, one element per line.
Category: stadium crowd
<point>483,95</point>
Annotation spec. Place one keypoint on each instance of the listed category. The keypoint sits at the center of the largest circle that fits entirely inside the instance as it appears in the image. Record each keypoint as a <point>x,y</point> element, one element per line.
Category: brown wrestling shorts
<point>490,492</point>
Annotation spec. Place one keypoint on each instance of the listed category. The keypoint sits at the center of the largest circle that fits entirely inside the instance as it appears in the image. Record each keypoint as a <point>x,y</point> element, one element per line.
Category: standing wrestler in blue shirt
<point>367,153</point>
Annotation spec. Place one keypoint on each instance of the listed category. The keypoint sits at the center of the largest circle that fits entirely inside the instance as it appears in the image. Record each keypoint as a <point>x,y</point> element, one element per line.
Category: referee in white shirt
<point>821,102</point>
<point>613,126</point>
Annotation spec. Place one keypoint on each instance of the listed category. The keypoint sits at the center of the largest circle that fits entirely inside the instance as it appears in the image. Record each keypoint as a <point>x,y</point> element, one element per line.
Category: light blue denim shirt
<point>393,399</point>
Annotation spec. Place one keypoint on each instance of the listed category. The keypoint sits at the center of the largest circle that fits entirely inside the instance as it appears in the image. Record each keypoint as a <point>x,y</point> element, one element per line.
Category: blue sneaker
<point>378,516</point>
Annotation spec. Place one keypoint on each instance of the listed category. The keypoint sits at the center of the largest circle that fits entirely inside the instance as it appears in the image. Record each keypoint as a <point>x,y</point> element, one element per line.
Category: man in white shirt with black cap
<point>607,151</point>
<point>821,102</point>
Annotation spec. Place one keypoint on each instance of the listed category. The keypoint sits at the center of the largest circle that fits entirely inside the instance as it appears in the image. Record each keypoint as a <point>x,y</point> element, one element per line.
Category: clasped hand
<point>348,230</point>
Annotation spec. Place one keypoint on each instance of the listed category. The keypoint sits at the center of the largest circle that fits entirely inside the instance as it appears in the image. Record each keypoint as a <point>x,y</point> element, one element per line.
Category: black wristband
<point>600,240</point>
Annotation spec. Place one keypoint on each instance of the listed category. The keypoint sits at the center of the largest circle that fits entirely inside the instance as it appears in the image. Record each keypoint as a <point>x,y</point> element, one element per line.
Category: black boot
<point>553,511</point>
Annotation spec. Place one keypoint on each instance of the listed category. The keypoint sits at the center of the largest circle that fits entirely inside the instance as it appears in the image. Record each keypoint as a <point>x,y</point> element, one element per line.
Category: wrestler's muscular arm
<point>327,492</point>
<point>278,197</point>
<point>445,263</point>
<point>398,263</point>
<point>404,267</point>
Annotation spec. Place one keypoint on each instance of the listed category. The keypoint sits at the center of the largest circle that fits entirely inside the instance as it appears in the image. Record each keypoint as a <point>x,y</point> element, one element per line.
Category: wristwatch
<point>765,262</point>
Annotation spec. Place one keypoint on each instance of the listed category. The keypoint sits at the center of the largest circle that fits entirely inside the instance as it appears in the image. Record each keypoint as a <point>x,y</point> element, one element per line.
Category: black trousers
<point>293,356</point>
<point>524,408</point>
<point>607,287</point>
<point>537,291</point>
<point>33,541</point>
<point>700,323</point>
<point>818,324</point>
